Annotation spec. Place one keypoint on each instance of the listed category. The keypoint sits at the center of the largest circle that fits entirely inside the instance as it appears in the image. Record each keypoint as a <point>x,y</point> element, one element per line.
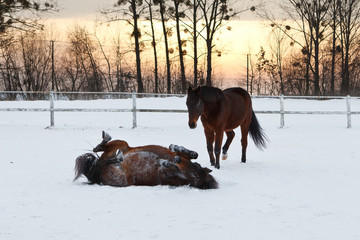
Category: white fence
<point>53,96</point>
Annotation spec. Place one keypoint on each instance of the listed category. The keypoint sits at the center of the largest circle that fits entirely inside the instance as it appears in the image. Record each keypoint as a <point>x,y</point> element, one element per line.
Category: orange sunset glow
<point>235,40</point>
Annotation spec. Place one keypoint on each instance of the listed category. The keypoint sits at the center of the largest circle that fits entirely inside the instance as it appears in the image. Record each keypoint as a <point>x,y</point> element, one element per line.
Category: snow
<point>303,186</point>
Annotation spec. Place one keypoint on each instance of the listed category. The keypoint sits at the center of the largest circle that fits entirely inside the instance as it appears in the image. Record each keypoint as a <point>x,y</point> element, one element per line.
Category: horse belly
<point>239,112</point>
<point>141,169</point>
<point>113,175</point>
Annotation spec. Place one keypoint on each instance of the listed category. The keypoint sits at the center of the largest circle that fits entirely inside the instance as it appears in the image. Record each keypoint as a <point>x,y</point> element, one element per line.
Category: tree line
<point>313,51</point>
<point>27,60</point>
<point>316,50</point>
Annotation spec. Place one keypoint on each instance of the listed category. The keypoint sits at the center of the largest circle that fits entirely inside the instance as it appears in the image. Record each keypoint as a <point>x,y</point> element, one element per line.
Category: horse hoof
<point>217,166</point>
<point>212,163</point>
<point>224,156</point>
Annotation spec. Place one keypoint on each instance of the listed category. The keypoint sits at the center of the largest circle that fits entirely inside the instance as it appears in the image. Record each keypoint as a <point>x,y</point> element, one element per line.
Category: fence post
<point>282,112</point>
<point>134,108</point>
<point>52,124</point>
<point>348,111</point>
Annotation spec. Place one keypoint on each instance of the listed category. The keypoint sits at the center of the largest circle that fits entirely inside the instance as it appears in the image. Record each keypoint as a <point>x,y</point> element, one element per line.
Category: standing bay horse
<point>121,165</point>
<point>223,111</point>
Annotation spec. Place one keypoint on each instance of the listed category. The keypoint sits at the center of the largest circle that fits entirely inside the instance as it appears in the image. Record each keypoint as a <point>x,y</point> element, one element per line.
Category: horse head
<point>195,106</point>
<point>196,175</point>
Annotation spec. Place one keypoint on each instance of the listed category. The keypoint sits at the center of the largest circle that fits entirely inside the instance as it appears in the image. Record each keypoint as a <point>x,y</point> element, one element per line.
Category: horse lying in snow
<point>121,165</point>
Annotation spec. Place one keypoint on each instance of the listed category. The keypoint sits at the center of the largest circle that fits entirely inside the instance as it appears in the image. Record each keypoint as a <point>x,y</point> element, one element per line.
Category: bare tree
<point>134,11</point>
<point>83,47</point>
<point>22,14</point>
<point>334,11</point>
<point>36,59</point>
<point>178,14</point>
<point>214,12</point>
<point>279,45</point>
<point>10,69</point>
<point>194,18</point>
<point>106,76</point>
<point>122,83</point>
<point>313,16</point>
<point>349,13</point>
<point>150,4</point>
<point>165,30</point>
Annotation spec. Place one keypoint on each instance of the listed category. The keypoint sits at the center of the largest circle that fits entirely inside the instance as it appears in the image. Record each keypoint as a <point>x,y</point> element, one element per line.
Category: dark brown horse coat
<point>223,111</point>
<point>148,165</point>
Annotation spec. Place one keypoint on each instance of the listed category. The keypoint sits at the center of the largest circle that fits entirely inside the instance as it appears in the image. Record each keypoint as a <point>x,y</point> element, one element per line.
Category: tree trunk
<point>345,84</point>
<point>316,70</point>
<point>181,54</point>
<point>156,90</point>
<point>195,43</point>
<point>168,74</point>
<point>209,64</point>
<point>333,54</point>
<point>137,48</point>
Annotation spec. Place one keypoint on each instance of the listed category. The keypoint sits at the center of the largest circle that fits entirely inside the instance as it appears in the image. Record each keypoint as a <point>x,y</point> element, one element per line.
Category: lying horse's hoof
<point>224,156</point>
<point>177,159</point>
<point>180,149</point>
<point>106,137</point>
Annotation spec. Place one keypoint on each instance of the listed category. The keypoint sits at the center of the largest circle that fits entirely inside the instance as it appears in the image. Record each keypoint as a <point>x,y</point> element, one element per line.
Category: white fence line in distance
<point>53,96</point>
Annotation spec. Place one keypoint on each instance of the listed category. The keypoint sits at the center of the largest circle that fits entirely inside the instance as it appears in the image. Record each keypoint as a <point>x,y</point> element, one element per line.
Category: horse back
<point>238,102</point>
<point>237,92</point>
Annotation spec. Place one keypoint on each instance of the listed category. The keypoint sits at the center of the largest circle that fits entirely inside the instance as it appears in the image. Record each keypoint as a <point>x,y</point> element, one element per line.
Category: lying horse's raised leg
<point>106,138</point>
<point>183,152</point>
<point>218,141</point>
<point>230,136</point>
<point>244,135</point>
<point>210,137</point>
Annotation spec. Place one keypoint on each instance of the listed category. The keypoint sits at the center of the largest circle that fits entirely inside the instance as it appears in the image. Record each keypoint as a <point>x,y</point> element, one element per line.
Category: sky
<point>89,8</point>
<point>81,8</point>
<point>249,35</point>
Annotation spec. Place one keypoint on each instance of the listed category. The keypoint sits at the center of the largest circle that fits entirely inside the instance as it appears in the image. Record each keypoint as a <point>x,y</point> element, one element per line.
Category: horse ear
<point>207,170</point>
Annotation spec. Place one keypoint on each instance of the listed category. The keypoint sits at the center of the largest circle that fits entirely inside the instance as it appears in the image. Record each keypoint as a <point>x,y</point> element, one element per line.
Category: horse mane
<point>210,183</point>
<point>84,166</point>
<point>211,94</point>
<point>91,166</point>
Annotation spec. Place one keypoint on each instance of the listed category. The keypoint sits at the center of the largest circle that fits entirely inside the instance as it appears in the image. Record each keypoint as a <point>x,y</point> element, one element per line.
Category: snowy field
<point>305,185</point>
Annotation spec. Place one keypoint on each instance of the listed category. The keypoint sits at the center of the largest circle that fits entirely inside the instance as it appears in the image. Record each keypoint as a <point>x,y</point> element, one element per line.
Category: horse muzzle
<point>192,125</point>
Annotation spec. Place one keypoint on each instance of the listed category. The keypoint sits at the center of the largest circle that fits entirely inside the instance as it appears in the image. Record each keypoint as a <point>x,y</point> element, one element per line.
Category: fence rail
<point>51,96</point>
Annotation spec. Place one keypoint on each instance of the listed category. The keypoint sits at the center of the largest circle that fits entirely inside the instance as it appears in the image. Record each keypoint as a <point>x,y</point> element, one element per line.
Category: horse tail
<point>86,165</point>
<point>257,133</point>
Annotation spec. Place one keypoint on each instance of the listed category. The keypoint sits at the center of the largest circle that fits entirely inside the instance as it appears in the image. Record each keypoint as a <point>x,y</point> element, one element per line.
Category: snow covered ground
<point>305,185</point>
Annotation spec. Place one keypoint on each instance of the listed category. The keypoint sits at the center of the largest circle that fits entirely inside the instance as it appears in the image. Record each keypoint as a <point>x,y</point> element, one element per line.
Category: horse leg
<point>244,143</point>
<point>209,134</point>
<point>100,147</point>
<point>218,142</point>
<point>230,136</point>
<point>183,152</point>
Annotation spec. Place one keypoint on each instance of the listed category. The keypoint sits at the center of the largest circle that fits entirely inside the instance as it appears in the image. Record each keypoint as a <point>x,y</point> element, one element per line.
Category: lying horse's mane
<point>83,164</point>
<point>90,165</point>
<point>211,94</point>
